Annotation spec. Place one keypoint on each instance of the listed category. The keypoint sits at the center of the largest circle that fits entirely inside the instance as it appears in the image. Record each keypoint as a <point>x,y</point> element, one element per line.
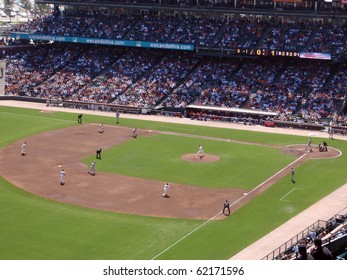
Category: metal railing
<point>318,227</point>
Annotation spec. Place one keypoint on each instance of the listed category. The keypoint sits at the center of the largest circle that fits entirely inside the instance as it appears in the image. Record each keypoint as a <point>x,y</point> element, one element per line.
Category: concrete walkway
<point>322,210</point>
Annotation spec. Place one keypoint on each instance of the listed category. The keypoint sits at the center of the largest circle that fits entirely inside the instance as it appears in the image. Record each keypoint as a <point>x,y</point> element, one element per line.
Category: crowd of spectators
<point>151,28</point>
<point>295,89</point>
<point>305,5</point>
<point>157,83</point>
<point>244,33</point>
<point>313,242</point>
<point>127,67</point>
<point>329,39</point>
<point>288,36</point>
<point>201,31</point>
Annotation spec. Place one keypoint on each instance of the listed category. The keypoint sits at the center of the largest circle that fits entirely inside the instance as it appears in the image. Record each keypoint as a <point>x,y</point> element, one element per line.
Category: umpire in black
<point>226,208</point>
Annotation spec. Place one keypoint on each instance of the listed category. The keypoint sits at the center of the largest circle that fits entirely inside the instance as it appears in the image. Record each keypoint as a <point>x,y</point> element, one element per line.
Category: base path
<point>46,183</point>
<point>49,152</point>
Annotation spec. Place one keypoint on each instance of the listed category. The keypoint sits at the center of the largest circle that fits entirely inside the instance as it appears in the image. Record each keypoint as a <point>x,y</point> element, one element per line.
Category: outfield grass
<point>36,228</point>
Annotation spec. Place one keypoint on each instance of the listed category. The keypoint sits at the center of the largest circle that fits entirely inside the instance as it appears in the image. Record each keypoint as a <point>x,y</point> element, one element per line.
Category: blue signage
<point>100,41</point>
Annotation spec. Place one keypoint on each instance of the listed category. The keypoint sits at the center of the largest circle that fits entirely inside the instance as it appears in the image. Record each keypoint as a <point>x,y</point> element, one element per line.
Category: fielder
<point>62,177</point>
<point>117,116</point>
<point>166,190</point>
<point>331,133</point>
<point>200,152</point>
<point>79,118</point>
<point>309,145</point>
<point>91,170</point>
<point>101,128</point>
<point>292,173</point>
<point>24,146</point>
<point>135,133</point>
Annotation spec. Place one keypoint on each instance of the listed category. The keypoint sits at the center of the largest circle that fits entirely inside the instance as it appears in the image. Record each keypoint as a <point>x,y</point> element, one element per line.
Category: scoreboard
<point>266,52</point>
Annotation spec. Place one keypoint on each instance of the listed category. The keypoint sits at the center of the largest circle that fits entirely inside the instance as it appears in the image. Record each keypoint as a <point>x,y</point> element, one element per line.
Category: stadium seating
<point>296,90</point>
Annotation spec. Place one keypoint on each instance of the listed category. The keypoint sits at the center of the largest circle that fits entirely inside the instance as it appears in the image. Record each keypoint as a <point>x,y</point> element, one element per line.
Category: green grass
<point>159,158</point>
<point>36,228</point>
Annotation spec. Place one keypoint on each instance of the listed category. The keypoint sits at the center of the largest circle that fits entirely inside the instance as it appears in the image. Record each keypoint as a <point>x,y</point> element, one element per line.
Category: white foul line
<point>288,193</point>
<point>277,173</point>
<point>189,233</point>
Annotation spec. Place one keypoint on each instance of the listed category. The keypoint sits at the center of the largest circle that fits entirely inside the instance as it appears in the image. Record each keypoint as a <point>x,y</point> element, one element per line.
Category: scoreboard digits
<point>266,52</point>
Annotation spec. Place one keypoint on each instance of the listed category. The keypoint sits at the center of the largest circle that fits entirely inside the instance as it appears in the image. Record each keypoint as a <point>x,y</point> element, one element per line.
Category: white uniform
<point>24,149</point>
<point>331,133</point>
<point>200,152</point>
<point>62,177</point>
<point>134,133</point>
<point>101,128</point>
<point>117,117</point>
<point>166,190</point>
<point>92,168</point>
<point>309,145</point>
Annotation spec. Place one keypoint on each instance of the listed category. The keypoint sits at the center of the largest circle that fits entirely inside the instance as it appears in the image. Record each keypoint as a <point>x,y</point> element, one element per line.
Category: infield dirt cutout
<point>49,152</point>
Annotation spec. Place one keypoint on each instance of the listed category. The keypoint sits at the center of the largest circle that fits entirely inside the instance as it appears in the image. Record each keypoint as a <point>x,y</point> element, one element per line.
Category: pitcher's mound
<point>205,158</point>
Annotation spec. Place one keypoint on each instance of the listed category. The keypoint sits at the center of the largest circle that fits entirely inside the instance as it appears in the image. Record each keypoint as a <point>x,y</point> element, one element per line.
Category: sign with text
<point>101,41</point>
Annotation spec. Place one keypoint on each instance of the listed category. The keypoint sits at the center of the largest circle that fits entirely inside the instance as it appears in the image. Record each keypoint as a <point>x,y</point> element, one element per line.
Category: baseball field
<point>119,214</point>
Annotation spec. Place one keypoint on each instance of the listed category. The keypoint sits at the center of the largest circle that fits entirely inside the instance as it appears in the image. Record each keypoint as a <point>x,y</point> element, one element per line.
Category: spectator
<point>319,252</point>
<point>303,255</point>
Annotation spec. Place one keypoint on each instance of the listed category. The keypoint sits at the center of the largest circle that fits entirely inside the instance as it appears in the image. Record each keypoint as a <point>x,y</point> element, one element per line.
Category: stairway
<point>2,76</point>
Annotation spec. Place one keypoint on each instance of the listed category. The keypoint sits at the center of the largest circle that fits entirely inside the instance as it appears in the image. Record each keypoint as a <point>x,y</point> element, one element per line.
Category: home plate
<point>59,165</point>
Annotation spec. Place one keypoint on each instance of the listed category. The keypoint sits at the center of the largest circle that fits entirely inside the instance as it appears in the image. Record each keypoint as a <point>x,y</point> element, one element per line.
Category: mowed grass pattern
<point>159,157</point>
<point>36,228</point>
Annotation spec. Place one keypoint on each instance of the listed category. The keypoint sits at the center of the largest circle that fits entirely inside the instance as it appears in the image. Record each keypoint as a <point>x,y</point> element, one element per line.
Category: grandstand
<point>276,63</point>
<point>332,232</point>
<point>276,57</point>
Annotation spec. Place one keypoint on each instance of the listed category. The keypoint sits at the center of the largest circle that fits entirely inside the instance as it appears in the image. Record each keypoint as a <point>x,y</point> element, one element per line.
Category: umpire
<point>226,208</point>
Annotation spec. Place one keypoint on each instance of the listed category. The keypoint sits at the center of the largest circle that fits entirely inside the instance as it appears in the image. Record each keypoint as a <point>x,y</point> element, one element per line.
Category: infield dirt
<point>131,194</point>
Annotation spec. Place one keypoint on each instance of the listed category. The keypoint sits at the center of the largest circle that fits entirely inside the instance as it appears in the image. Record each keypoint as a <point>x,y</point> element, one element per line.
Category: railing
<point>278,252</point>
<point>318,227</point>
